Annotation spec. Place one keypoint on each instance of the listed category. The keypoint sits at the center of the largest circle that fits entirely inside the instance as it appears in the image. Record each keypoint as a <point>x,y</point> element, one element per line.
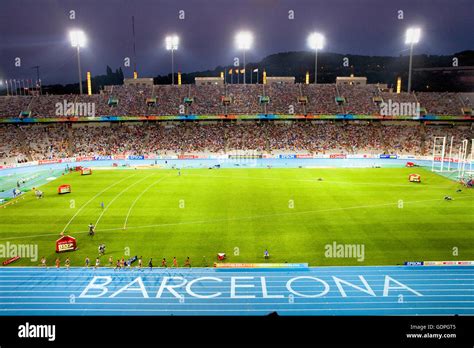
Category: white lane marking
<point>90,200</point>
<point>117,196</point>
<point>320,182</point>
<point>274,215</point>
<point>227,219</point>
<point>138,197</point>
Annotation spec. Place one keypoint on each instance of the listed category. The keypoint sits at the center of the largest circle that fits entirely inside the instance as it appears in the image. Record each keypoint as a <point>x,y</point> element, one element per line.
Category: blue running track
<point>398,290</point>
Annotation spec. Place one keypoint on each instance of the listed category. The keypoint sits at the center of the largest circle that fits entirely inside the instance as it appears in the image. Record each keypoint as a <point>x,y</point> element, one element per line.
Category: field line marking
<point>277,214</point>
<point>90,200</point>
<point>237,218</point>
<point>117,196</point>
<point>138,197</point>
<point>316,181</point>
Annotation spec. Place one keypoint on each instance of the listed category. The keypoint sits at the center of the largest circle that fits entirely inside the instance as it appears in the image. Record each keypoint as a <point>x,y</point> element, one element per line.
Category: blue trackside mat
<point>399,290</point>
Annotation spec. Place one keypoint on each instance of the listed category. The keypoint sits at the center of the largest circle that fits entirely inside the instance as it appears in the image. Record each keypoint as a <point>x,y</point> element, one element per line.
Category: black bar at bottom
<point>273,329</point>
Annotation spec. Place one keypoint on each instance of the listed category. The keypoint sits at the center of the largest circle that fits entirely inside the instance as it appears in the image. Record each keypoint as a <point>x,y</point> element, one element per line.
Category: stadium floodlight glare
<point>172,43</point>
<point>316,42</point>
<point>244,41</point>
<point>78,40</point>
<point>412,36</point>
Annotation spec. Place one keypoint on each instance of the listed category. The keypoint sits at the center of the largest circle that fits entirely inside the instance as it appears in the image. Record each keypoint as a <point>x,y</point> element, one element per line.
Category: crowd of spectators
<point>284,99</point>
<point>207,100</point>
<point>11,106</point>
<point>442,103</point>
<point>41,141</point>
<point>130,100</point>
<point>245,99</point>
<point>33,142</point>
<point>359,99</point>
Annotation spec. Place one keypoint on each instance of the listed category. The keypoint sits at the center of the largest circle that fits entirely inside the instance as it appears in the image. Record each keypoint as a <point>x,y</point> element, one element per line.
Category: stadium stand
<point>39,141</point>
<point>134,100</point>
<point>26,142</point>
<point>441,103</point>
<point>11,106</point>
<point>282,96</point>
<point>359,99</point>
<point>321,99</point>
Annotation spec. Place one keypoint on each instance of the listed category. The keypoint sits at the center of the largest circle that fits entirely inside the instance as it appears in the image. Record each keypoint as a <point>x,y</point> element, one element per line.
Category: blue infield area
<point>399,290</point>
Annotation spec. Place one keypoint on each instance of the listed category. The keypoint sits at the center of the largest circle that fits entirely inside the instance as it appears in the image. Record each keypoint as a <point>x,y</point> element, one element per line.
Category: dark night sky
<point>37,31</point>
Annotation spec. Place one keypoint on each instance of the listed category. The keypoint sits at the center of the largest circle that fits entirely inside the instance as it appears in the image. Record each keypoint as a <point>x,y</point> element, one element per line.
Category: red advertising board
<point>66,243</point>
<point>80,159</point>
<point>10,260</point>
<point>49,161</point>
<point>337,155</point>
<point>64,189</point>
<point>446,159</point>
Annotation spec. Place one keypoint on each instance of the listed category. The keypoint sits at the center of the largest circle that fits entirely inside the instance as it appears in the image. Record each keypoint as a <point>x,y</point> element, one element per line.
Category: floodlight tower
<point>78,40</point>
<point>244,41</point>
<point>316,42</point>
<point>172,43</point>
<point>412,37</point>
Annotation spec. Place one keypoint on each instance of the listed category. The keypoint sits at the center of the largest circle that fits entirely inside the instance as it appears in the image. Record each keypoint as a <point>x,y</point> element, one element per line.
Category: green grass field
<point>243,211</point>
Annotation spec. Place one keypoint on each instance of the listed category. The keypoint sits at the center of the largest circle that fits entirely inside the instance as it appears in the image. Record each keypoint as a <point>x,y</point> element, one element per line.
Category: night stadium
<point>222,175</point>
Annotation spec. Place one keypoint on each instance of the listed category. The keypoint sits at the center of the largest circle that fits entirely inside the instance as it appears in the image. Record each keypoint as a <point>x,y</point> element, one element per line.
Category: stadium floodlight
<point>244,41</point>
<point>316,42</point>
<point>78,40</point>
<point>172,43</point>
<point>412,37</point>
